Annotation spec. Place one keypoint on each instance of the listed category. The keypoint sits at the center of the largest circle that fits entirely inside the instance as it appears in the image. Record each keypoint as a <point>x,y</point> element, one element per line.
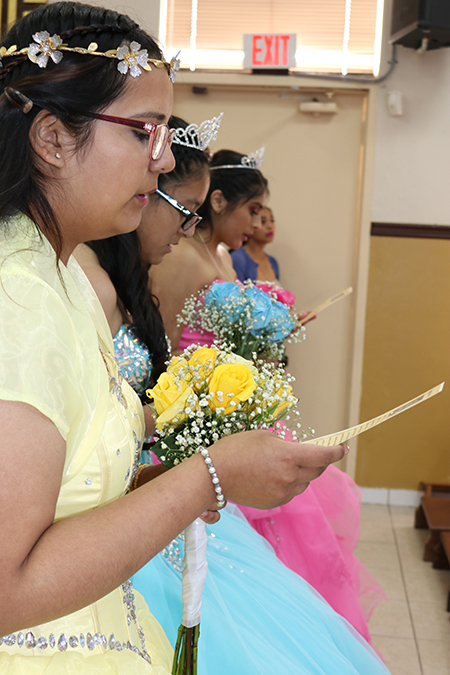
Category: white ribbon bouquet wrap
<point>195,567</point>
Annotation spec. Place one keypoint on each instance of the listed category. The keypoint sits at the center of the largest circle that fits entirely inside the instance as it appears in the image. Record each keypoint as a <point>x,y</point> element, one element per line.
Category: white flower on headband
<point>174,67</point>
<point>132,58</point>
<point>43,48</point>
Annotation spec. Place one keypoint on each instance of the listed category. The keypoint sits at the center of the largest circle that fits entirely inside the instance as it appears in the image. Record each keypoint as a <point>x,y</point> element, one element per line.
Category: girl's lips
<point>142,199</point>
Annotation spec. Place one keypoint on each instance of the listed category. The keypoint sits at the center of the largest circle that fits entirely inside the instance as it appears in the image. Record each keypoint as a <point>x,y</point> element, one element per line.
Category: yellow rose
<point>235,358</point>
<point>284,392</point>
<point>170,399</point>
<point>230,384</point>
<point>176,362</point>
<point>202,362</point>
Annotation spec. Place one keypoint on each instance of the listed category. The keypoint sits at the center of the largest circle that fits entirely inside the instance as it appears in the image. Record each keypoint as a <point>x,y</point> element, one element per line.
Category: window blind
<point>332,35</point>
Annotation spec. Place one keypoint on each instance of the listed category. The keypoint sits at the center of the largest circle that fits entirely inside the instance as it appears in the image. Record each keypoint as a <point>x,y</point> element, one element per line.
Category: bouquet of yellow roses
<point>208,393</point>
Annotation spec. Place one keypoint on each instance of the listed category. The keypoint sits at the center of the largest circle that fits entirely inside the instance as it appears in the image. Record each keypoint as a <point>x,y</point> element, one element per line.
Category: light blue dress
<point>258,617</point>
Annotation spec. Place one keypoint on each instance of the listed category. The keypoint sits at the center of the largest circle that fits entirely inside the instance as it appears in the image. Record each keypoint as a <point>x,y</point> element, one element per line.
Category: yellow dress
<point>56,355</point>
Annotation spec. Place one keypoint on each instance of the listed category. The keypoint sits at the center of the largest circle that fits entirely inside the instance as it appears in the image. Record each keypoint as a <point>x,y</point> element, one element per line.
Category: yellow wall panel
<point>406,351</point>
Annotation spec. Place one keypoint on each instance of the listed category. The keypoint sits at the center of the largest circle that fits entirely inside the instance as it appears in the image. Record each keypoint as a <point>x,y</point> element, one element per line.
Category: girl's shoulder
<point>99,278</point>
<point>101,283</point>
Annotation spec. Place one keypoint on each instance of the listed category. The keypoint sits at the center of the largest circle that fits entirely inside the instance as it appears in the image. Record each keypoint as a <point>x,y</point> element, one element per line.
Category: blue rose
<point>226,297</point>
<point>282,323</point>
<point>260,310</point>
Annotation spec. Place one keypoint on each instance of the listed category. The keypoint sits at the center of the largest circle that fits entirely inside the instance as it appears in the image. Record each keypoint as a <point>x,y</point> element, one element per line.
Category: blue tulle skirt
<point>258,617</point>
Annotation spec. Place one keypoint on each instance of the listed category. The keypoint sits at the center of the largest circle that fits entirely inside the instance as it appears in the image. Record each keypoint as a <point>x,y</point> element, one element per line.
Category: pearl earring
<point>58,155</point>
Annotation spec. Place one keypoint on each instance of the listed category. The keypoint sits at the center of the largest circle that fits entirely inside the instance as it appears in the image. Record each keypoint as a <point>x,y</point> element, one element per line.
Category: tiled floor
<point>412,628</point>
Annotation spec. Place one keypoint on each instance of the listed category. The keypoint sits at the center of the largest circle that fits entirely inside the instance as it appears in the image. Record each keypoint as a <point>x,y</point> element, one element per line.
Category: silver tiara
<point>251,161</point>
<point>198,137</point>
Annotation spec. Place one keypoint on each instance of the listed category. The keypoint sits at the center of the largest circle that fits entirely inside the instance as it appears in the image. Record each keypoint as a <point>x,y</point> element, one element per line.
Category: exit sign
<point>271,50</point>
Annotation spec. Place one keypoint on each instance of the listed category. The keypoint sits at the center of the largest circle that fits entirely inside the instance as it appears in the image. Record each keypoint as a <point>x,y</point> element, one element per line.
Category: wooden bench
<point>434,514</point>
<point>445,542</point>
<point>434,488</point>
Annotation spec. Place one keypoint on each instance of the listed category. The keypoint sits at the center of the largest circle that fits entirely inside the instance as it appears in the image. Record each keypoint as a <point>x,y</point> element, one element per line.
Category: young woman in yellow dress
<point>85,97</point>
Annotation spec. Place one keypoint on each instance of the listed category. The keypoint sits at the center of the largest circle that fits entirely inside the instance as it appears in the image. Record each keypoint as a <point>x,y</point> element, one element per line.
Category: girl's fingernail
<point>346,449</point>
<point>204,514</point>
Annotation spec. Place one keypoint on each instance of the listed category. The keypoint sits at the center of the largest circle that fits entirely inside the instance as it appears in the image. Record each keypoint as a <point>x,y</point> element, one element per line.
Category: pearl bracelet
<point>220,499</point>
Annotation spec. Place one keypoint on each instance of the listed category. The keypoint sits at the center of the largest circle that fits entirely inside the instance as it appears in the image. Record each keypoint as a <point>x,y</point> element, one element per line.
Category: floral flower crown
<point>198,137</point>
<point>131,57</point>
<point>252,161</point>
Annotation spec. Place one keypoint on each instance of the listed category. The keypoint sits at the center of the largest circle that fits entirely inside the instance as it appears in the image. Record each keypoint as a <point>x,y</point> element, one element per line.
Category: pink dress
<point>315,535</point>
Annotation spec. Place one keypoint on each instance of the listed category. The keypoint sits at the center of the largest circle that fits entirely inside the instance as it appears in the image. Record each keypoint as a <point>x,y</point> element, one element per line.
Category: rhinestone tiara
<point>252,161</point>
<point>198,136</point>
<point>131,58</point>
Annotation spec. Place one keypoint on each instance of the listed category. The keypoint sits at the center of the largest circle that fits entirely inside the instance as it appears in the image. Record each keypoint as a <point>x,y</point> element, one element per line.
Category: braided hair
<point>120,257</point>
<point>78,84</point>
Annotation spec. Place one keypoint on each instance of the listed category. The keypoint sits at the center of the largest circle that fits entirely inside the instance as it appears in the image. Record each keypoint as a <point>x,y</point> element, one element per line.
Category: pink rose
<point>281,294</point>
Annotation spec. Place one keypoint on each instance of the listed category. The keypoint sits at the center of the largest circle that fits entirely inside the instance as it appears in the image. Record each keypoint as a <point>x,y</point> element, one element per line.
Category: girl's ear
<point>50,139</point>
<point>218,201</point>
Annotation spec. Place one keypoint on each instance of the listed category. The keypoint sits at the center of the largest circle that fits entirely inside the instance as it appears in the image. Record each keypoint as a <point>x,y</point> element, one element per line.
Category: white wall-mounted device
<point>394,102</point>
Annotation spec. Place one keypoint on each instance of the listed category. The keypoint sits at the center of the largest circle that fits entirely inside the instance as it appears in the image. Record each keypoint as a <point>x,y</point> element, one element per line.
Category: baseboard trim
<point>390,497</point>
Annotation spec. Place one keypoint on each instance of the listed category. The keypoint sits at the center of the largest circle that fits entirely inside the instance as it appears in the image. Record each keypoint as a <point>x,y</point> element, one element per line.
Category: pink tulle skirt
<point>315,535</point>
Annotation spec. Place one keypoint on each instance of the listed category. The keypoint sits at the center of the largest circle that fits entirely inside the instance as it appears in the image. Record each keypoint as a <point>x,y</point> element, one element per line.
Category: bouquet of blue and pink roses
<point>246,318</point>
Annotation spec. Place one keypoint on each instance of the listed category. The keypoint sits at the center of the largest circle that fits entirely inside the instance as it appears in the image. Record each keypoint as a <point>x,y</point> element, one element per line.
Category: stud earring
<point>58,155</point>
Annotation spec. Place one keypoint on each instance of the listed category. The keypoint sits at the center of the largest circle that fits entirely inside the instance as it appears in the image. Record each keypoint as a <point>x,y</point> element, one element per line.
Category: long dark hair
<point>237,185</point>
<point>78,84</point>
<point>120,257</point>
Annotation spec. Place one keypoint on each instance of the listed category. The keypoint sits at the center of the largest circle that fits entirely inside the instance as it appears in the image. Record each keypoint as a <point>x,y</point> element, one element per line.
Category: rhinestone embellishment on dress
<point>64,642</point>
<point>75,641</point>
<point>172,553</point>
<point>137,457</point>
<point>133,358</point>
<point>115,384</point>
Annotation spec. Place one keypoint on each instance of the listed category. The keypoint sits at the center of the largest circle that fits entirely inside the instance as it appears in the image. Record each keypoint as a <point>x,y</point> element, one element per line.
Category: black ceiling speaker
<point>414,20</point>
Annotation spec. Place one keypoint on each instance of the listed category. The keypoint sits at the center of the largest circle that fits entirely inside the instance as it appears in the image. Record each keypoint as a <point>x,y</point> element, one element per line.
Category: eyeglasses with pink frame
<point>159,135</point>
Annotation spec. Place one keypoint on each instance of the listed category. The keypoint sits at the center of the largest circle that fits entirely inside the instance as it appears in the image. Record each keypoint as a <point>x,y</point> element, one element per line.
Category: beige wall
<point>407,338</point>
<point>412,153</point>
<point>406,352</point>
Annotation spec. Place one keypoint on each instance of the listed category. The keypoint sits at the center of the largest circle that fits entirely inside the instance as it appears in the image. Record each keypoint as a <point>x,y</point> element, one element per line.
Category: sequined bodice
<point>133,358</point>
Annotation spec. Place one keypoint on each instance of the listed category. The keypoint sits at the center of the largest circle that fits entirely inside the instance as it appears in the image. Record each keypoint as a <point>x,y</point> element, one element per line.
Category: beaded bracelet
<point>135,479</point>
<point>220,499</point>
